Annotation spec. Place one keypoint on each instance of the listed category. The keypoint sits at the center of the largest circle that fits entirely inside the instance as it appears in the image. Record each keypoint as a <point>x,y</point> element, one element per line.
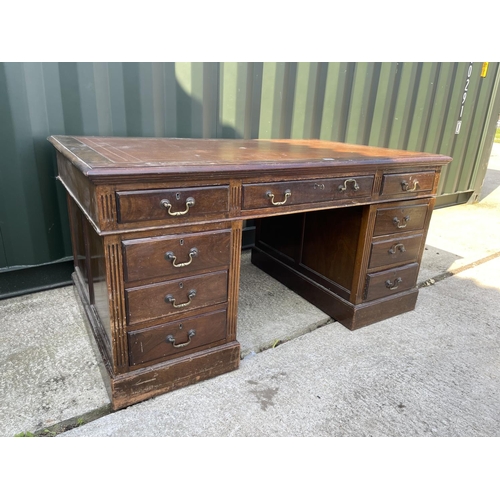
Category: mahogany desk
<point>156,228</point>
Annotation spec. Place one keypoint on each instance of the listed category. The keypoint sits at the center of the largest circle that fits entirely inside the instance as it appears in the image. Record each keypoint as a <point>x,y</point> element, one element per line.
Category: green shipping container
<point>448,108</point>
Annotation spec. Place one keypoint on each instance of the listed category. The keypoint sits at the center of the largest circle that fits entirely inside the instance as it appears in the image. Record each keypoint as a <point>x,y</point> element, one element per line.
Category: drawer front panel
<point>170,256</point>
<point>176,337</point>
<point>301,192</point>
<point>173,297</point>
<point>407,184</point>
<point>399,219</point>
<point>390,282</point>
<point>172,205</point>
<point>395,251</point>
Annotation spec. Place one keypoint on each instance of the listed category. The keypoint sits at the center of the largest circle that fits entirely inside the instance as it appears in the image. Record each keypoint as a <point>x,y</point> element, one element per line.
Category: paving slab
<point>269,312</point>
<point>431,372</point>
<point>48,370</point>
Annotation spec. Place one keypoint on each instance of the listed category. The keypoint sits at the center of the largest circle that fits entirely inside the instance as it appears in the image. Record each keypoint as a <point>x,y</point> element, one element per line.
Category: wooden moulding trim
<point>195,173</point>
<point>101,169</point>
<point>80,154</point>
<point>363,249</point>
<point>128,389</point>
<point>113,257</point>
<point>234,280</point>
<point>384,308</point>
<point>107,208</point>
<point>235,198</point>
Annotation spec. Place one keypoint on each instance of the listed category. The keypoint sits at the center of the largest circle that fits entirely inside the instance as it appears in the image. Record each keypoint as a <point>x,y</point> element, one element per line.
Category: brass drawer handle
<point>394,285</point>
<point>170,299</point>
<point>171,256</point>
<point>398,224</point>
<point>344,187</point>
<point>399,247</point>
<point>270,195</point>
<point>171,339</point>
<point>406,187</point>
<point>167,204</point>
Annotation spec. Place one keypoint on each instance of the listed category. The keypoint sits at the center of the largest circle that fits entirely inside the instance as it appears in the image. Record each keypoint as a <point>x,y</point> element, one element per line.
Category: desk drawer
<point>395,251</point>
<point>172,205</point>
<point>399,219</point>
<point>407,184</point>
<point>390,282</point>
<point>173,297</point>
<point>170,256</point>
<point>176,337</point>
<point>291,193</point>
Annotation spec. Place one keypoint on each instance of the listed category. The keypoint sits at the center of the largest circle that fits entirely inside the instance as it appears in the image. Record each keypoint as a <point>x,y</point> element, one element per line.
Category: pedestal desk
<point>156,228</point>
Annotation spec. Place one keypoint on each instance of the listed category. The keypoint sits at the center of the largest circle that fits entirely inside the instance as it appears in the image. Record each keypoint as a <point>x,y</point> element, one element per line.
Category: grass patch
<point>69,424</point>
<point>497,135</point>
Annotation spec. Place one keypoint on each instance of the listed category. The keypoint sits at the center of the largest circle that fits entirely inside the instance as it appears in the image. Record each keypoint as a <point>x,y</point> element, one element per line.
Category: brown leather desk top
<point>120,157</point>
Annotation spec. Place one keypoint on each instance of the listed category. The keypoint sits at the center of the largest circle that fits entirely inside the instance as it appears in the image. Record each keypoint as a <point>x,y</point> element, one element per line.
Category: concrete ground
<point>432,372</point>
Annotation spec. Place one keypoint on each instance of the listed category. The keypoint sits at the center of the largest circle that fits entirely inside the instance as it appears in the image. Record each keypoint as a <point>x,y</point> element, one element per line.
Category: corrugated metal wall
<point>413,106</point>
